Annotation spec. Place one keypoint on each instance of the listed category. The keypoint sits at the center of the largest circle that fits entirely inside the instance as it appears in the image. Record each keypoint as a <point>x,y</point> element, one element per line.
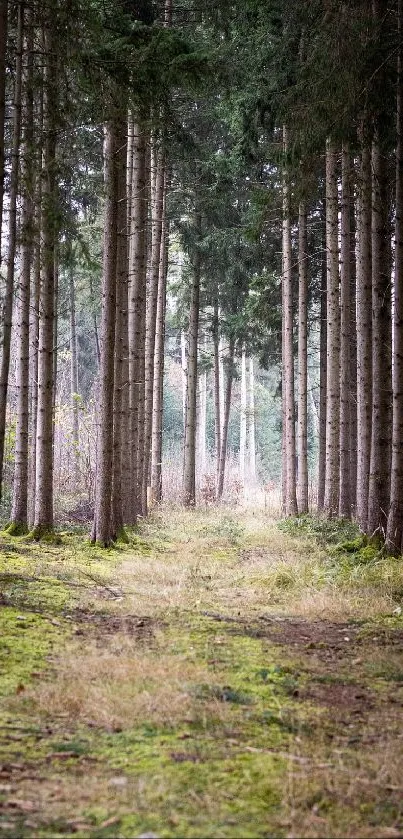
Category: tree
<point>331,502</point>
<point>189,466</point>
<point>289,464</point>
<point>303,361</point>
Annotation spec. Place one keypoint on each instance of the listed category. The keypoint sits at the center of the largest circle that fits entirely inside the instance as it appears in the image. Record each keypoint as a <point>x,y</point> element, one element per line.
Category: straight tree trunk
<point>345,501</point>
<point>331,503</point>
<point>12,236</point>
<point>159,355</point>
<point>119,455</point>
<point>322,379</point>
<point>151,315</point>
<point>102,532</point>
<point>74,380</point>
<point>291,507</point>
<point>364,330</point>
<point>19,514</point>
<point>303,361</point>
<point>226,415</point>
<point>394,534</point>
<point>217,405</point>
<point>184,377</point>
<point>251,416</point>
<point>3,47</point>
<point>136,308</point>
<point>353,349</point>
<point>202,422</point>
<point>379,476</point>
<point>43,518</point>
<point>189,467</point>
<point>243,429</point>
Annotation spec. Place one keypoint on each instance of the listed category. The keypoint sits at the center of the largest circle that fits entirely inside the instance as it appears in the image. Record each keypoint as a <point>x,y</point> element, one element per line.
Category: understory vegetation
<point>221,675</point>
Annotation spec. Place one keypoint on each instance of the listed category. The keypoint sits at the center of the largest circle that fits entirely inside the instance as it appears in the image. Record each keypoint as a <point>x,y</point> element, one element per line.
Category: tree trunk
<point>217,405</point>
<point>136,309</point>
<point>12,237</point>
<point>184,377</point>
<point>202,420</point>
<point>322,379</point>
<point>364,331</point>
<point>251,416</point>
<point>3,47</point>
<point>345,339</point>
<point>331,503</point>
<point>379,477</point>
<point>303,361</point>
<point>43,519</point>
<point>119,454</point>
<point>394,535</point>
<point>101,532</point>
<point>189,467</point>
<point>242,430</point>
<point>291,508</point>
<point>19,515</point>
<point>74,381</point>
<point>151,314</point>
<point>353,349</point>
<point>159,356</point>
<point>226,415</point>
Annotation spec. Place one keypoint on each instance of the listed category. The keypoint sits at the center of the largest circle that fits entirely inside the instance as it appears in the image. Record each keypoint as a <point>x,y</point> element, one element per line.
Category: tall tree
<point>289,458</point>
<point>395,518</point>
<point>364,326</point>
<point>331,502</point>
<point>345,501</point>
<point>303,361</point>
<point>189,466</point>
<point>12,234</point>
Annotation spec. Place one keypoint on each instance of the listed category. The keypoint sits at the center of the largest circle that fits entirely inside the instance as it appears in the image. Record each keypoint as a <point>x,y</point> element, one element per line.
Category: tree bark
<point>159,356</point>
<point>217,404</point>
<point>101,532</point>
<point>121,327</point>
<point>136,309</point>
<point>379,476</point>
<point>303,361</point>
<point>331,503</point>
<point>226,415</point>
<point>3,47</point>
<point>251,417</point>
<point>322,378</point>
<point>242,430</point>
<point>74,395</point>
<point>19,514</point>
<point>291,508</point>
<point>394,534</point>
<point>151,314</point>
<point>345,339</point>
<point>43,519</point>
<point>364,329</point>
<point>12,236</point>
<point>189,467</point>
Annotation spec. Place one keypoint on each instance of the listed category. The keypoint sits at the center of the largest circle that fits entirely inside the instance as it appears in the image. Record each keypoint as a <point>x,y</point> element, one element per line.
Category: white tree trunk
<point>242,435</point>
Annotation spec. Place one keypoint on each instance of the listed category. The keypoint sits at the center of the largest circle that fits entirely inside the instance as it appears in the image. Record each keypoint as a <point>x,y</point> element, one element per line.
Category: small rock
<point>120,781</point>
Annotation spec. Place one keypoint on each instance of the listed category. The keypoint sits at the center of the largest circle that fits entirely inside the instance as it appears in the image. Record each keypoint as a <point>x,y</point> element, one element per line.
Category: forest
<point>201,418</point>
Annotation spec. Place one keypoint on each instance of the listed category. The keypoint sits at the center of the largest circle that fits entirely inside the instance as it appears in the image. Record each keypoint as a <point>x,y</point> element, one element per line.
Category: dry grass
<point>122,686</point>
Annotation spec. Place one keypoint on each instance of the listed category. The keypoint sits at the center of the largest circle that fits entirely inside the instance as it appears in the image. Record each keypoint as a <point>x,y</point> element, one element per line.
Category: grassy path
<point>218,677</point>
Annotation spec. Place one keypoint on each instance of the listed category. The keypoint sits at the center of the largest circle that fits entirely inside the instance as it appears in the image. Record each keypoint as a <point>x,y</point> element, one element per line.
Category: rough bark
<point>331,503</point>
<point>159,357</point>
<point>101,531</point>
<point>74,395</point>
<point>251,417</point>
<point>226,415</point>
<point>151,313</point>
<point>289,466</point>
<point>7,314</point>
<point>345,339</point>
<point>379,476</point>
<point>364,329</point>
<point>43,519</point>
<point>322,379</point>
<point>242,430</point>
<point>119,454</point>
<point>136,309</point>
<point>302,361</point>
<point>353,349</point>
<point>217,404</point>
<point>3,45</point>
<point>189,465</point>
<point>394,534</point>
<point>19,514</point>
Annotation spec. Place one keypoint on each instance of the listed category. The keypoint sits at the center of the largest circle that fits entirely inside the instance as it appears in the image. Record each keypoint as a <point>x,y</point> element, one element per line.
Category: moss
<point>16,528</point>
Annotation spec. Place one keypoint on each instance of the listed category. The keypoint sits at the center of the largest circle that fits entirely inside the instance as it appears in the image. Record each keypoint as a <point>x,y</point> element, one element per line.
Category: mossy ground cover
<point>217,676</point>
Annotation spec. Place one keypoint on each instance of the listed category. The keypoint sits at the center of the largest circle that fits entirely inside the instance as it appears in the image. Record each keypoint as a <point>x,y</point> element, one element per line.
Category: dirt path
<point>218,678</point>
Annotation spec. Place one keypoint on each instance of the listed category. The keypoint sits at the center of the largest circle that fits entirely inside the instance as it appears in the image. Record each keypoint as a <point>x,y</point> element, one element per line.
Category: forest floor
<point>223,675</point>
